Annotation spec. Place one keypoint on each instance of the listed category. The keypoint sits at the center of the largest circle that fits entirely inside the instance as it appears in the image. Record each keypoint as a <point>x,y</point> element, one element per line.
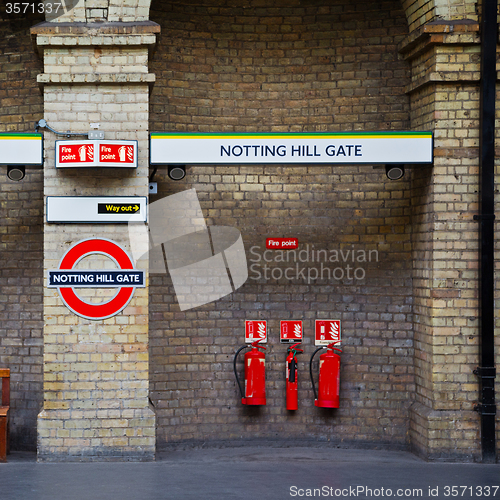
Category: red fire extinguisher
<point>329,377</point>
<point>292,383</point>
<point>255,375</point>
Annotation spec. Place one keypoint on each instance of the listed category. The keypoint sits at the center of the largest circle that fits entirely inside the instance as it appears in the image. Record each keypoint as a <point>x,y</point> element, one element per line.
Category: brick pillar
<point>96,379</point>
<point>445,98</point>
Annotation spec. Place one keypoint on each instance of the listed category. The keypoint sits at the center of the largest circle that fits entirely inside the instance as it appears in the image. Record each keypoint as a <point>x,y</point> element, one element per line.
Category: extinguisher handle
<point>256,344</point>
<point>295,351</point>
<point>311,370</point>
<point>234,367</point>
<point>331,346</point>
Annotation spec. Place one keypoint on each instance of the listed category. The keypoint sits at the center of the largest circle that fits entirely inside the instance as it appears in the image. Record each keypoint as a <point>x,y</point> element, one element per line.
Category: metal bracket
<point>485,371</point>
<point>95,135</point>
<point>488,373</point>
<point>486,409</point>
<point>480,217</point>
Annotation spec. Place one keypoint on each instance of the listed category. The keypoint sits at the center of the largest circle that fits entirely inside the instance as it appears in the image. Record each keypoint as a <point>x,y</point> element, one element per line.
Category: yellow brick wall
<point>96,373</point>
<point>445,98</point>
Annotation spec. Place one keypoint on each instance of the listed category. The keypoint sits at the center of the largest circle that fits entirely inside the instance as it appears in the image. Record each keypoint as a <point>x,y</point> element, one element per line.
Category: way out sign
<point>125,279</point>
<point>96,209</point>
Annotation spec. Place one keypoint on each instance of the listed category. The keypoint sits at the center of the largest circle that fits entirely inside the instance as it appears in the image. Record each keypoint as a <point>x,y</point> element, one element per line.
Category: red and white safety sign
<point>282,243</point>
<point>255,330</point>
<point>327,331</point>
<point>96,154</point>
<point>125,278</point>
<point>116,153</point>
<point>290,331</point>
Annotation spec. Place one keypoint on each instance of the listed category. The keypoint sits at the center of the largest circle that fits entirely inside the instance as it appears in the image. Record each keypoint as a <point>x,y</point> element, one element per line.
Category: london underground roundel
<point>125,279</point>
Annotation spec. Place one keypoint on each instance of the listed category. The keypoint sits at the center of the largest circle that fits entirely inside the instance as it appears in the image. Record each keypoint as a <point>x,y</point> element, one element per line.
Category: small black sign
<point>118,208</point>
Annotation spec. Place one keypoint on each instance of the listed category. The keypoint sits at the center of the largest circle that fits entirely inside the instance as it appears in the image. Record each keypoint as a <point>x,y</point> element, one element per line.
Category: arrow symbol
<point>136,208</point>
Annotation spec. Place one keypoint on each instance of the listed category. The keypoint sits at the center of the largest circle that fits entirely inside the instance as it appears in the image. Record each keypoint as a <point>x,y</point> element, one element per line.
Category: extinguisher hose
<point>234,367</point>
<point>291,377</point>
<point>311,370</point>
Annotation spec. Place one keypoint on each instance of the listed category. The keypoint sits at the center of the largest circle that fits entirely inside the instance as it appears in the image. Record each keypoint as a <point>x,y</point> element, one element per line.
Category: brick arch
<point>418,12</point>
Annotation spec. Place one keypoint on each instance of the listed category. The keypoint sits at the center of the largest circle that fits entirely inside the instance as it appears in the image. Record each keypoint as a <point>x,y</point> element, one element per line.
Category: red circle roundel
<point>125,279</point>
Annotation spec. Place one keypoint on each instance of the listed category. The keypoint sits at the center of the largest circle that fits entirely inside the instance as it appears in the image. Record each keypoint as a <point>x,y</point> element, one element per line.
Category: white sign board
<point>95,209</point>
<point>349,147</point>
<point>21,149</point>
<point>96,154</point>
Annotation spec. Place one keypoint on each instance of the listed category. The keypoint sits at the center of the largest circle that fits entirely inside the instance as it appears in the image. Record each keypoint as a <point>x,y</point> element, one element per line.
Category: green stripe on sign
<point>19,136</point>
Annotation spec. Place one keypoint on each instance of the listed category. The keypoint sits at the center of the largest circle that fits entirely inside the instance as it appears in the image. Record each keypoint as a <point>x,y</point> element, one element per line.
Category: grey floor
<point>250,473</point>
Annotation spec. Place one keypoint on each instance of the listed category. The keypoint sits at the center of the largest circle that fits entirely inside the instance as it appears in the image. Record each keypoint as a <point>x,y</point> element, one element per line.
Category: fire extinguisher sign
<point>254,331</point>
<point>327,331</point>
<point>290,332</point>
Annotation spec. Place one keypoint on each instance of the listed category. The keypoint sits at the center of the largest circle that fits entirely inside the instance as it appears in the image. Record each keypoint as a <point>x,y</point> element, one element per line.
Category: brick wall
<point>293,67</point>
<point>21,240</point>
<point>410,325</point>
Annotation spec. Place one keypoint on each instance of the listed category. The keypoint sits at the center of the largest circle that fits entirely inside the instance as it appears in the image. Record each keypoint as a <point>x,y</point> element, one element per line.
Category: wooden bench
<point>4,414</point>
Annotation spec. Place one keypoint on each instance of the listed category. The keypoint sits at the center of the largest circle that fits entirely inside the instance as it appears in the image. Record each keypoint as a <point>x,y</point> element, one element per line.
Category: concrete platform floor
<point>250,473</point>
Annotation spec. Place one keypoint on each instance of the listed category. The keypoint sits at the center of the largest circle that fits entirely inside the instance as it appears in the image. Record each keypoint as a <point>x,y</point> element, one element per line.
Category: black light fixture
<point>177,172</point>
<point>395,171</point>
<point>16,172</point>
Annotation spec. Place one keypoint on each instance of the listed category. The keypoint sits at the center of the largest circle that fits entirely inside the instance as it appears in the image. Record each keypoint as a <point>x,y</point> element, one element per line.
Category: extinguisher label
<point>255,330</point>
<point>290,332</point>
<point>327,331</point>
